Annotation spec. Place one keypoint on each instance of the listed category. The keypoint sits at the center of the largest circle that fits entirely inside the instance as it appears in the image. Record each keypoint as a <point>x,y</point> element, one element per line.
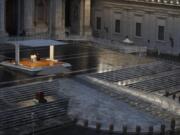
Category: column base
<point>3,34</point>
<point>58,35</point>
<point>3,37</point>
<point>29,32</point>
<point>87,32</point>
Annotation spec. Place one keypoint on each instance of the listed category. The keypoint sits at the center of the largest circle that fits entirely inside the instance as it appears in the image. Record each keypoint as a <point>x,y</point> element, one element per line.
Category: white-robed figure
<point>33,57</point>
<point>127,41</point>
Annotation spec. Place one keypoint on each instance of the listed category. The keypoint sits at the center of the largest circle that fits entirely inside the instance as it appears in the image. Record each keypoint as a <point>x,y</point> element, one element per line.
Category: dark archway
<point>67,13</point>
<point>12,17</point>
<point>41,12</point>
<point>72,16</point>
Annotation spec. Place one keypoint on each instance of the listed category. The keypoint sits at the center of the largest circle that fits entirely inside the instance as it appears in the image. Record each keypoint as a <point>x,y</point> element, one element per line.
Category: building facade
<point>151,23</point>
<point>56,17</point>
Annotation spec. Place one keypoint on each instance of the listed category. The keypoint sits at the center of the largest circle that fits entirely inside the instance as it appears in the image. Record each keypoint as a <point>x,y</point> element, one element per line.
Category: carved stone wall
<point>39,16</point>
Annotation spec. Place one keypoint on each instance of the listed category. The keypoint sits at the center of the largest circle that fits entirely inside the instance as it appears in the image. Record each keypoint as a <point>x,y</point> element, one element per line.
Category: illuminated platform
<point>38,64</point>
<point>36,68</point>
<point>35,64</point>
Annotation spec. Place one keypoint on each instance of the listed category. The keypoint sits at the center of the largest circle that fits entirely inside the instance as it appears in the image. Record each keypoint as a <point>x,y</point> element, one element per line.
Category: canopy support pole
<point>51,52</point>
<point>17,54</point>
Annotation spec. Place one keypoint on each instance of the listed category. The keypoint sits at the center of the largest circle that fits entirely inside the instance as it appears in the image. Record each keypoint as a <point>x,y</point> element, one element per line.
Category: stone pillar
<point>126,23</point>
<point>2,19</point>
<point>87,23</point>
<point>81,17</point>
<point>86,6</point>
<point>29,16</point>
<point>58,22</point>
<point>19,17</point>
<point>131,23</point>
<point>177,35</point>
<point>17,54</point>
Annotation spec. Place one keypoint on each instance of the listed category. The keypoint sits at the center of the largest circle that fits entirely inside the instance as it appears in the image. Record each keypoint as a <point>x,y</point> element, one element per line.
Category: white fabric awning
<point>37,43</point>
<point>128,41</point>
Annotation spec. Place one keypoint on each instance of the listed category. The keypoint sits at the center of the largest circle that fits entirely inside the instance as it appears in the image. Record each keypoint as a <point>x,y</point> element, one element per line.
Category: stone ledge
<point>162,102</point>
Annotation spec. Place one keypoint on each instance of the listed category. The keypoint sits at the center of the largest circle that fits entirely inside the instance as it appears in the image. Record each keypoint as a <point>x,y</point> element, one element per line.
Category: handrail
<point>98,127</point>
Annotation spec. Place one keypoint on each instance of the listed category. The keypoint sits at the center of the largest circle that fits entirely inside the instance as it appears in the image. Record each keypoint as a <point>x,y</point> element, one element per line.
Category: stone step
<point>134,72</point>
<point>157,83</point>
<point>25,92</point>
<point>22,116</point>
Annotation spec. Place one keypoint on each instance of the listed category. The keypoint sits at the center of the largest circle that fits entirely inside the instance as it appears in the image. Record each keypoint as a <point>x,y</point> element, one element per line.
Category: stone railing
<point>165,2</point>
<point>99,129</point>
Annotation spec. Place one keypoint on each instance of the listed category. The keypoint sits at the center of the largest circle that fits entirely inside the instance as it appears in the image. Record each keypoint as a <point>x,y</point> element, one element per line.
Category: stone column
<point>87,18</point>
<point>17,54</point>
<point>2,19</point>
<point>81,17</point>
<point>29,16</point>
<point>176,31</point>
<point>58,19</point>
<point>87,21</point>
<point>126,23</point>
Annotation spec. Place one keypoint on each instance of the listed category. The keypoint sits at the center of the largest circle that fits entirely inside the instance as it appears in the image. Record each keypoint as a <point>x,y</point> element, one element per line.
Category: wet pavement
<point>88,103</point>
<point>83,57</point>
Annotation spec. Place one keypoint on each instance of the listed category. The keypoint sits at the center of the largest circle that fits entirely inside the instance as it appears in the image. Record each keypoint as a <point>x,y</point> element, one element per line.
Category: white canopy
<point>127,41</point>
<point>37,43</point>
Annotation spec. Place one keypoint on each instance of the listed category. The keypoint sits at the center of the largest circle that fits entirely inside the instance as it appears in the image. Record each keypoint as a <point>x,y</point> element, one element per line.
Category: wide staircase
<point>27,91</point>
<point>154,78</point>
<point>157,84</point>
<point>134,73</point>
<point>157,77</point>
<point>33,117</point>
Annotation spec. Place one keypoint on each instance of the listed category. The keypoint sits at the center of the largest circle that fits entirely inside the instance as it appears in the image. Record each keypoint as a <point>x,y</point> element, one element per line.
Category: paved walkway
<point>96,106</point>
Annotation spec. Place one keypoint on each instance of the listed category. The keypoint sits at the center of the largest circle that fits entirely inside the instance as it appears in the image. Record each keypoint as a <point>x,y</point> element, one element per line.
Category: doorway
<point>12,17</point>
<point>72,17</point>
